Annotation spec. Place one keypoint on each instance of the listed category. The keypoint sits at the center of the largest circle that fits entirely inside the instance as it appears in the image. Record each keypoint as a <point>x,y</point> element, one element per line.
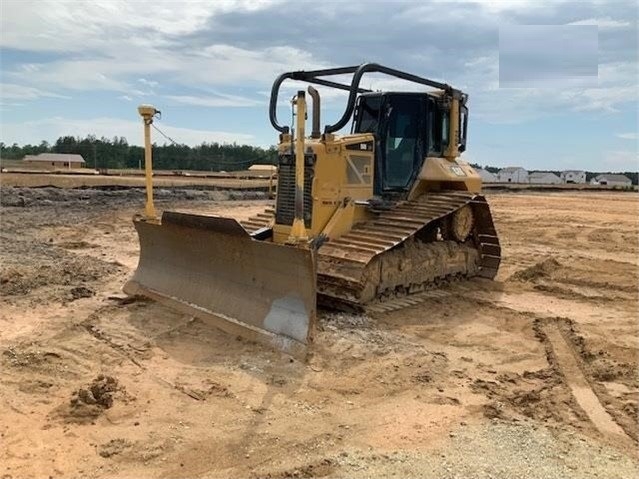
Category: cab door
<point>402,142</point>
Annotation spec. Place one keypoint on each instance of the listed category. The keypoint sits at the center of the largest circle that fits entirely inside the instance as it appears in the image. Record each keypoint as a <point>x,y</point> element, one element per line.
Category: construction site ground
<point>113,181</point>
<point>533,375</point>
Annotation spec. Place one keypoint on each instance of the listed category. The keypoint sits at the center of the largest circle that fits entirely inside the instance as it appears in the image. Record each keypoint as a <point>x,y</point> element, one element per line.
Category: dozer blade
<point>210,267</point>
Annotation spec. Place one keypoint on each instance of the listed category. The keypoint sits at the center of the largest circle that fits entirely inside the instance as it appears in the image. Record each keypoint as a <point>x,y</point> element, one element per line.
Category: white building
<point>573,176</point>
<point>543,178</point>
<point>263,168</point>
<point>486,176</point>
<point>58,160</point>
<point>611,180</point>
<point>512,174</point>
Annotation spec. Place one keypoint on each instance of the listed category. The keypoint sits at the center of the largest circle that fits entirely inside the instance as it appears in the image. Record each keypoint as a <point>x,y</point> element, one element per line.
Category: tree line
<point>117,153</point>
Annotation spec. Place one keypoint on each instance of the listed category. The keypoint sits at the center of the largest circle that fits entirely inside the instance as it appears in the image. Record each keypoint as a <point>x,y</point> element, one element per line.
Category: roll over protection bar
<point>316,77</point>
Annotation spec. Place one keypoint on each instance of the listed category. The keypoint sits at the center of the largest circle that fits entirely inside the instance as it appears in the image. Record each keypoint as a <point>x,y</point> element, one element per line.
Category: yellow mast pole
<point>452,152</point>
<point>147,112</point>
<point>298,229</point>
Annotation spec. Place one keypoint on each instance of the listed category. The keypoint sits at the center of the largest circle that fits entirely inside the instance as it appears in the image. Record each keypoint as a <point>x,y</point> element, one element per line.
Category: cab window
<point>400,145</point>
<point>445,129</point>
<point>368,115</point>
<point>438,122</point>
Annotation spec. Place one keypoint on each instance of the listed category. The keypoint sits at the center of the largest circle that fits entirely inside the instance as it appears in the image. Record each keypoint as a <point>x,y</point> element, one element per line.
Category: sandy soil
<point>532,375</point>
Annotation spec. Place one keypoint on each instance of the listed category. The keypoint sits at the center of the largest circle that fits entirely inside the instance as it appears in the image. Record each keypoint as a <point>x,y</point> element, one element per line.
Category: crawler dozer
<point>385,210</point>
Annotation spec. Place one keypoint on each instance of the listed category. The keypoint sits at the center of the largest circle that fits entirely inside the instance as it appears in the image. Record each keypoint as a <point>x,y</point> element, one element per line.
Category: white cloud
<point>10,91</point>
<point>627,136</point>
<point>85,74</point>
<point>217,64</point>
<point>107,45</point>
<point>616,87</point>
<point>222,64</point>
<point>497,6</point>
<point>149,83</point>
<point>148,51</point>
<point>605,23</point>
<point>67,26</point>
<point>606,100</point>
<point>51,129</point>
<point>214,101</point>
<point>622,160</point>
<point>616,73</point>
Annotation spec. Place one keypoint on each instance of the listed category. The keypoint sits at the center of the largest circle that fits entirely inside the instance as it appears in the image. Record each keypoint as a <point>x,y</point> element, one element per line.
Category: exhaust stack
<point>315,133</point>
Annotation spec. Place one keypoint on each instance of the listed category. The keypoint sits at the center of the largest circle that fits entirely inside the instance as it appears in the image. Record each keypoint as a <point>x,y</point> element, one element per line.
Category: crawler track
<point>399,252</point>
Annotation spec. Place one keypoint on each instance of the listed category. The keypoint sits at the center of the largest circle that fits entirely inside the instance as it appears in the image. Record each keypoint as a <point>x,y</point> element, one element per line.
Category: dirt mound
<point>533,394</point>
<point>89,402</point>
<point>99,392</point>
<point>73,245</point>
<point>48,266</point>
<point>206,389</point>
<point>599,363</point>
<point>114,447</point>
<point>81,292</point>
<point>33,359</point>
<point>321,468</point>
<point>542,269</point>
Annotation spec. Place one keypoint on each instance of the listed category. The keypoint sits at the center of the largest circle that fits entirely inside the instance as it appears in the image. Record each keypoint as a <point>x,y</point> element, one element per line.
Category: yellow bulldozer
<point>386,210</point>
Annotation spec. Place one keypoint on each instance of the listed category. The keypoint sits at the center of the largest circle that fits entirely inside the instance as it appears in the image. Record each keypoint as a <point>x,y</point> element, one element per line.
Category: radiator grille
<point>285,203</point>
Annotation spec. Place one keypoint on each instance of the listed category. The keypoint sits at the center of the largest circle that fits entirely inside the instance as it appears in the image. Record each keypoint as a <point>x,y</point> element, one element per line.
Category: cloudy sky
<point>552,84</point>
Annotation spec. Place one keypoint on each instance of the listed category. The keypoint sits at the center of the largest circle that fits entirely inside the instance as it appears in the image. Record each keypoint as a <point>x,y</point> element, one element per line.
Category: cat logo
<point>457,170</point>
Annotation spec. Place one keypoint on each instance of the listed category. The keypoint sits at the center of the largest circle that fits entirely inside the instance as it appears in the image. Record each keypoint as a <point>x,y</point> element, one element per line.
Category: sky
<point>552,85</point>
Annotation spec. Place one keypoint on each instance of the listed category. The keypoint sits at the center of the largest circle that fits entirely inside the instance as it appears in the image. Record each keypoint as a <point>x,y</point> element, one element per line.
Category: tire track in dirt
<point>563,355</point>
<point>567,361</point>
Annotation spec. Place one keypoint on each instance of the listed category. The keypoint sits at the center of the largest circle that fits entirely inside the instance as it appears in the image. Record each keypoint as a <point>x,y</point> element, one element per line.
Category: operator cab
<point>408,127</point>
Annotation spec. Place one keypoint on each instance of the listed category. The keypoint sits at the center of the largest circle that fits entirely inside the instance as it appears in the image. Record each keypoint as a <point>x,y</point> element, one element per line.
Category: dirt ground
<point>35,180</point>
<point>532,375</point>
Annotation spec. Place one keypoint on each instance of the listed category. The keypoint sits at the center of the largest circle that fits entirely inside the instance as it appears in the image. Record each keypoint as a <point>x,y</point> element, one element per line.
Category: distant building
<point>486,176</point>
<point>611,180</point>
<point>512,174</point>
<point>573,176</point>
<point>57,160</point>
<point>263,167</point>
<point>543,178</point>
